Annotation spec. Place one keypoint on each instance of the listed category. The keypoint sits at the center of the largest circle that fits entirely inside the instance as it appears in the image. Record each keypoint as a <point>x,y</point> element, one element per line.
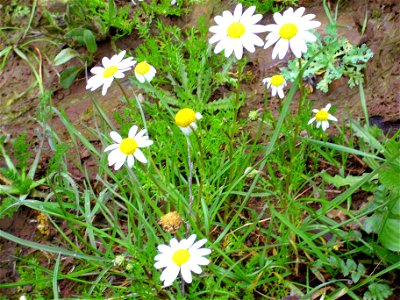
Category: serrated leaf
<point>68,76</point>
<point>339,181</point>
<point>64,56</point>
<point>378,291</point>
<point>373,223</point>
<point>90,41</point>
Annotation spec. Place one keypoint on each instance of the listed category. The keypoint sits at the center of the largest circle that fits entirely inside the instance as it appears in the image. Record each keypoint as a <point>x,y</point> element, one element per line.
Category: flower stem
<point>191,198</point>
<point>131,105</point>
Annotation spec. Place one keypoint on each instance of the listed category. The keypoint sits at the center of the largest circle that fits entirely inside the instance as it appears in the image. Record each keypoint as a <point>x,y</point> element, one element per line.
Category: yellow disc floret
<point>288,31</point>
<point>277,80</point>
<point>128,146</point>
<point>181,256</point>
<point>322,115</point>
<point>185,117</point>
<point>142,68</point>
<point>110,71</point>
<point>236,30</point>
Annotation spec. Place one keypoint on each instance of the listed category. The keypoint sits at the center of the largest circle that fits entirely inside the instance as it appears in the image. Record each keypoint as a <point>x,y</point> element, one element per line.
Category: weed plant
<point>278,222</point>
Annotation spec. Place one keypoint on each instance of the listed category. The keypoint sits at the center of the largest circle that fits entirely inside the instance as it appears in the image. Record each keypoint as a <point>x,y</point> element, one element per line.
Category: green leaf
<point>90,41</point>
<point>77,35</point>
<point>378,291</point>
<point>64,56</point>
<point>389,236</point>
<point>68,76</point>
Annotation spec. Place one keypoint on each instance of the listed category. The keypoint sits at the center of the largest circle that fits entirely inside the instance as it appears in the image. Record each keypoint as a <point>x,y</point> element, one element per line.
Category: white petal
<point>161,264</point>
<point>119,162</point>
<point>106,62</point>
<point>273,91</point>
<point>272,28</point>
<point>327,107</point>
<point>113,156</point>
<point>140,78</point>
<point>140,156</point>
<point>198,244</point>
<point>228,47</point>
<point>126,64</point>
<point>217,37</point>
<point>310,25</point>
<point>132,131</point>
<point>280,92</point>
<point>307,36</point>
<point>248,13</point>
<point>237,12</point>
<point>272,38</point>
<point>220,46</point>
<point>332,118</point>
<point>144,143</point>
<point>119,75</point>
<point>111,147</point>
<point>278,18</point>
<point>196,269</point>
<point>283,46</point>
<point>97,70</point>
<point>164,248</point>
<point>238,48</point>
<point>296,45</point>
<point>325,125</point>
<point>106,85</point>
<point>202,261</point>
<point>116,137</point>
<point>187,243</point>
<point>198,116</point>
<point>170,274</point>
<point>202,252</point>
<point>311,120</point>
<point>186,274</point>
<point>258,29</point>
<point>131,161</point>
<point>299,12</point>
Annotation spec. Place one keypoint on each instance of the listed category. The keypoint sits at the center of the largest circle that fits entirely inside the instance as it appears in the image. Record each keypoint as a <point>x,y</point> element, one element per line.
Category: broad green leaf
<point>90,41</point>
<point>389,236</point>
<point>68,76</point>
<point>64,56</point>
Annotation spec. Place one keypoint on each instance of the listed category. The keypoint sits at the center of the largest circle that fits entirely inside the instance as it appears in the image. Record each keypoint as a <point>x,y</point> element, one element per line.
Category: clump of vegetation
<point>180,199</point>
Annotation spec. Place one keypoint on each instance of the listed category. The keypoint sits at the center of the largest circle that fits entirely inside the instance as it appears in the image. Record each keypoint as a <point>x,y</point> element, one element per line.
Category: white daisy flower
<point>144,72</point>
<point>277,83</point>
<point>184,257</point>
<point>291,29</point>
<point>233,32</point>
<point>186,120</point>
<point>322,116</point>
<point>112,68</point>
<point>173,2</point>
<point>128,148</point>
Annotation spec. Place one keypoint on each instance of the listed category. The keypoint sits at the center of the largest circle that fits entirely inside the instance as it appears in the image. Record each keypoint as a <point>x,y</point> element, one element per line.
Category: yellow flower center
<point>185,117</point>
<point>236,30</point>
<point>110,71</point>
<point>142,68</point>
<point>181,256</point>
<point>277,80</point>
<point>128,146</point>
<point>288,31</point>
<point>322,115</point>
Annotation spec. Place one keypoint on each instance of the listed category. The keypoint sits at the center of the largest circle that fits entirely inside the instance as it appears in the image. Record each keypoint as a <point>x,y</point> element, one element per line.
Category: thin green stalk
<point>190,187</point>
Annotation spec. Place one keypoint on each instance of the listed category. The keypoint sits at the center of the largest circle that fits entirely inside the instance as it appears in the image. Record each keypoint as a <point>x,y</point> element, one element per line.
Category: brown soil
<point>382,88</point>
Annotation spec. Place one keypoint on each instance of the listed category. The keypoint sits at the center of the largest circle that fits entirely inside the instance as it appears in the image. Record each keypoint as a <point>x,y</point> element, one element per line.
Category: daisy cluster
<point>233,33</point>
<point>237,31</point>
